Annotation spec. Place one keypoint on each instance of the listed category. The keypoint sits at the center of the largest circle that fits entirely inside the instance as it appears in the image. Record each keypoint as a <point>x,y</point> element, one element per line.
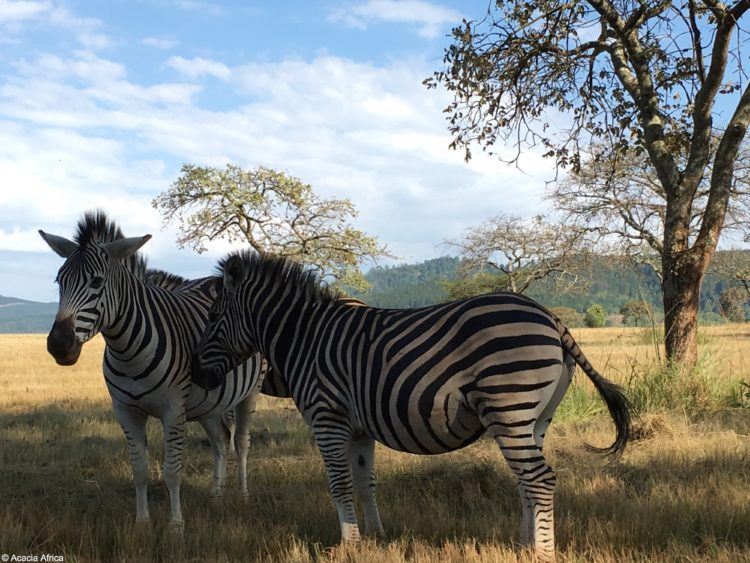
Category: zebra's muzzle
<point>205,378</point>
<point>62,343</point>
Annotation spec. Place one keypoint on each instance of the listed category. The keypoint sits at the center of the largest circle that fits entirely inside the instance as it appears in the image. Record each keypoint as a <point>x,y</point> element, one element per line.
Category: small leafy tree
<point>272,212</point>
<point>513,253</point>
<point>596,316</point>
<point>732,302</point>
<point>635,311</point>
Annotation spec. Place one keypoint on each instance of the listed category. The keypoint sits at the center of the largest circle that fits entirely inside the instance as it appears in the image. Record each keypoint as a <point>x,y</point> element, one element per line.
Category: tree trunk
<point>681,290</point>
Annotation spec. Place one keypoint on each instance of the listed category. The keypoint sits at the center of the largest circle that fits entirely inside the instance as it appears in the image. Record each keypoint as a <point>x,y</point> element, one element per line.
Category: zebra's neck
<point>285,324</point>
<point>144,322</point>
<point>128,327</point>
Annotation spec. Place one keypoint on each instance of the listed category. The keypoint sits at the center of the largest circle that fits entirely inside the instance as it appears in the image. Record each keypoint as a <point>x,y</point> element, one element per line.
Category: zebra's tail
<point>620,408</point>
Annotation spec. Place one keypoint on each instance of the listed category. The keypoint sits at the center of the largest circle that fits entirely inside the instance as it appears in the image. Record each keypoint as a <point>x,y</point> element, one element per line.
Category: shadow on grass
<point>65,482</point>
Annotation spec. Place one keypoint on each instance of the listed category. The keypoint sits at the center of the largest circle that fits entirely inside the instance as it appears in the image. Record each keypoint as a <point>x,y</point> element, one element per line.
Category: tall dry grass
<point>679,493</point>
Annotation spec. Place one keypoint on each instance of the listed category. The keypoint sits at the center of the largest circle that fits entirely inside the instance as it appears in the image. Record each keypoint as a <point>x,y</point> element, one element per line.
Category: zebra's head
<point>229,338</point>
<point>86,296</point>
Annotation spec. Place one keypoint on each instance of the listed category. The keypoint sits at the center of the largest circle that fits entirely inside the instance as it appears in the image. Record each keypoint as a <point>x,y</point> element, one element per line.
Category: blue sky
<point>101,102</point>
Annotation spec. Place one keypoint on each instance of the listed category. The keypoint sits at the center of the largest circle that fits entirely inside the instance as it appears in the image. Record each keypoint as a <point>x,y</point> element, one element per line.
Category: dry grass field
<point>681,492</point>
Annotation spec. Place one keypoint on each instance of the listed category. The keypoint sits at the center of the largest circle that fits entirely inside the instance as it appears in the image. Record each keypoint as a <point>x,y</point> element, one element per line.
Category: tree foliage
<point>595,316</point>
<point>273,212</point>
<point>509,253</point>
<point>734,265</point>
<point>635,311</point>
<point>634,77</point>
<point>569,316</point>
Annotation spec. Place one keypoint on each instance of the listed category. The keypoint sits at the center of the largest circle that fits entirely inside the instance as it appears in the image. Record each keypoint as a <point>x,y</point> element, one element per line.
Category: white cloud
<point>200,6</point>
<point>198,67</point>
<point>14,14</point>
<point>15,11</point>
<point>160,42</point>
<point>76,132</point>
<point>86,30</point>
<point>431,18</point>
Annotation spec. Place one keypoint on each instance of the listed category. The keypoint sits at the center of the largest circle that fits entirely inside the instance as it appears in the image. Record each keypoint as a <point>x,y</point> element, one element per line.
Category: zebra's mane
<point>96,227</point>
<point>283,271</point>
<point>163,279</point>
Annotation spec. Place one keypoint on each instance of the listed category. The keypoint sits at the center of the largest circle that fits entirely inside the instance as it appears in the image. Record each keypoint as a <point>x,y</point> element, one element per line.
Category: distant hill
<point>415,285</point>
<point>22,316</point>
<point>410,285</point>
<point>610,284</point>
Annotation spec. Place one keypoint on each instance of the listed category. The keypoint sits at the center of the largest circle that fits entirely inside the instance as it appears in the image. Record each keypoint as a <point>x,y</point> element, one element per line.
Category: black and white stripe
<point>424,381</point>
<point>151,322</point>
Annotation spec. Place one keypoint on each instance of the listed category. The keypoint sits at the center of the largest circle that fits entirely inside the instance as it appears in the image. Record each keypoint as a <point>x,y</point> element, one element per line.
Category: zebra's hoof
<point>350,534</point>
<point>545,556</point>
<point>177,527</point>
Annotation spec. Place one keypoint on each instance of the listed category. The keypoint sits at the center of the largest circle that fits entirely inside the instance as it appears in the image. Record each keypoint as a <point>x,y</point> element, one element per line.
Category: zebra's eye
<point>213,316</point>
<point>96,282</point>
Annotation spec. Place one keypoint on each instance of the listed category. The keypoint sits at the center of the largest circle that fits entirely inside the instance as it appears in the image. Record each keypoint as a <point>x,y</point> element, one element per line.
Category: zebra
<point>424,381</point>
<point>150,321</point>
<point>168,280</point>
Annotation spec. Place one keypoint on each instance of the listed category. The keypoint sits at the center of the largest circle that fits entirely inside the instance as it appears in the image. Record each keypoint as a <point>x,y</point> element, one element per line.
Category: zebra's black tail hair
<point>620,408</point>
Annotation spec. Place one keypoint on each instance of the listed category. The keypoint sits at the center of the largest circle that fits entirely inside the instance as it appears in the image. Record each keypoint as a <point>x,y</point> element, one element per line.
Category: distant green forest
<point>610,283</point>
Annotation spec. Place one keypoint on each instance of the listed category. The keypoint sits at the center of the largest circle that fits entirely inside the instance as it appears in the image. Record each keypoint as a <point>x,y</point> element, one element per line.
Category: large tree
<point>633,75</point>
<point>272,212</point>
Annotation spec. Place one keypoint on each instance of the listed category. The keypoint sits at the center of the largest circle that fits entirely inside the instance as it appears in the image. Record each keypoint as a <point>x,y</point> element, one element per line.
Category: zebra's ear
<point>234,273</point>
<point>62,246</point>
<point>125,247</point>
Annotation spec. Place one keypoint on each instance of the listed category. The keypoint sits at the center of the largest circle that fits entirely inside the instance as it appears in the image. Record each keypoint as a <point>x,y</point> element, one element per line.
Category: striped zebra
<point>168,280</point>
<point>424,381</point>
<point>150,321</point>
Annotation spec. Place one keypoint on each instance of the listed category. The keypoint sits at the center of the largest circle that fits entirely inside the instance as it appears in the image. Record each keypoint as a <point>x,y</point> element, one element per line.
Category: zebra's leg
<point>133,423</point>
<point>333,436</point>
<point>540,430</point>
<point>527,520</point>
<point>243,413</point>
<point>174,440</point>
<point>230,421</point>
<point>218,434</point>
<point>363,467</point>
<point>536,479</point>
<point>545,418</point>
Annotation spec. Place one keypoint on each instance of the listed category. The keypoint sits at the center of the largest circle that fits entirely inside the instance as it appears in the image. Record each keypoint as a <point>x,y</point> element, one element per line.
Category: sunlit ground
<point>681,492</point>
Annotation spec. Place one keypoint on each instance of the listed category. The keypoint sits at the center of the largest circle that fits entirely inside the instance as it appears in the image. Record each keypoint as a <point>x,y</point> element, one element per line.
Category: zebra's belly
<point>147,394</point>
<point>161,392</point>
<point>445,425</point>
